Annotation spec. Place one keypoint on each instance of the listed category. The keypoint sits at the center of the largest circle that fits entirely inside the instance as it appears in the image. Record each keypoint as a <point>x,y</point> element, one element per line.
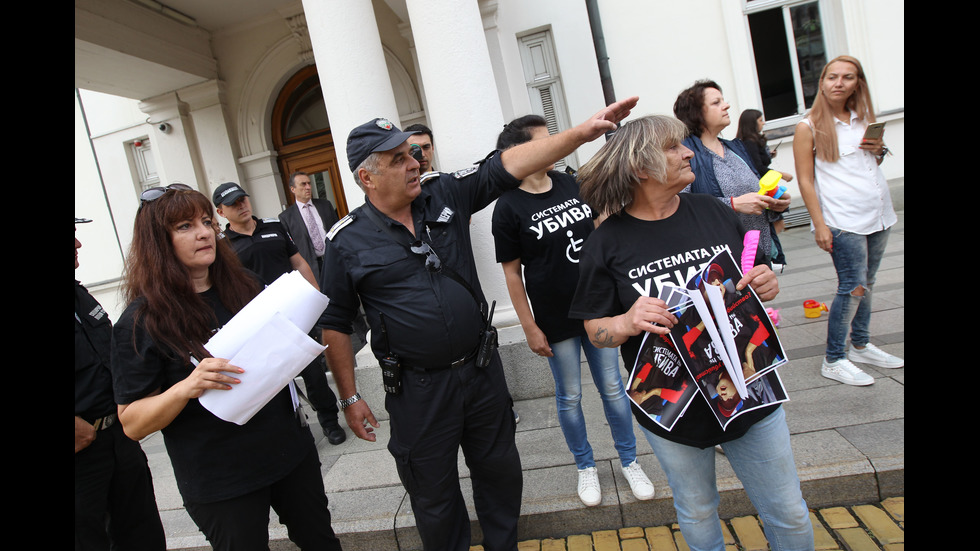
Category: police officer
<point>406,256</point>
<point>114,501</point>
<point>264,247</point>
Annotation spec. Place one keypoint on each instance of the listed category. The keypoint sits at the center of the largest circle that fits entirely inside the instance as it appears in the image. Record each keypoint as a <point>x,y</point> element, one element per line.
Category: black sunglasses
<point>432,262</point>
<point>154,193</point>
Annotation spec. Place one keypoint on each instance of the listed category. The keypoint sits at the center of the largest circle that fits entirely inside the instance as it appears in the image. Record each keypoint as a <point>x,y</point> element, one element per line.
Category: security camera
<point>164,127</point>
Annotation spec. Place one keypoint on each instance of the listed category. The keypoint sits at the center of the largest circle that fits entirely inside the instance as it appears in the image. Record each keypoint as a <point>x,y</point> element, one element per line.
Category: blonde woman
<point>851,210</point>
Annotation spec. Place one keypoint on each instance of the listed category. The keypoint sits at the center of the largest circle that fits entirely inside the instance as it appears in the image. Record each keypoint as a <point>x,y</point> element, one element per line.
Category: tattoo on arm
<point>602,338</point>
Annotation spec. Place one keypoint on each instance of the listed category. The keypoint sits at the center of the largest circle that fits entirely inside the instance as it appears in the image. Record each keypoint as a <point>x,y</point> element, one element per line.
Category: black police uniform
<point>267,252</point>
<point>112,478</point>
<point>433,323</point>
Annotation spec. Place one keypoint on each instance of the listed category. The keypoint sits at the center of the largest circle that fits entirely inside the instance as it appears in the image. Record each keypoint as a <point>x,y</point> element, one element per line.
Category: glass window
<point>789,49</point>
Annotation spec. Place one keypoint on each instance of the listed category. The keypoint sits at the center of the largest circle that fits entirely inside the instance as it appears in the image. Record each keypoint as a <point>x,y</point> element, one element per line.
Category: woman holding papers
<point>183,284</point>
<point>656,235</point>
<point>850,207</point>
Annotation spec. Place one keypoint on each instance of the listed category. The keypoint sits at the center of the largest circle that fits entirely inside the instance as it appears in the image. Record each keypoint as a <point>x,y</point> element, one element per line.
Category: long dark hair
<point>170,310</point>
<point>748,127</point>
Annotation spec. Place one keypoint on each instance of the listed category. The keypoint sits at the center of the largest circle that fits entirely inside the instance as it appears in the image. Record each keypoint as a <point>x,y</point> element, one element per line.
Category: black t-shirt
<point>627,257</point>
<point>546,231</point>
<point>212,459</point>
<point>267,251</point>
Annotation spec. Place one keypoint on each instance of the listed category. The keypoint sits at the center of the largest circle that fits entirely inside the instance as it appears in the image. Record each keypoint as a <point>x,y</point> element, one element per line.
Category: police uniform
<point>267,252</point>
<point>112,478</point>
<point>433,323</point>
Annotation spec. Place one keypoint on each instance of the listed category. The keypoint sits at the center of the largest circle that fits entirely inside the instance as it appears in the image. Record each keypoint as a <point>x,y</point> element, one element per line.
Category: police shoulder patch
<point>460,174</point>
<point>341,224</point>
<point>270,220</point>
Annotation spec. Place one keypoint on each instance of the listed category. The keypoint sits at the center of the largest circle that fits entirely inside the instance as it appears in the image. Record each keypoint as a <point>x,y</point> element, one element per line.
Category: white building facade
<point>208,92</point>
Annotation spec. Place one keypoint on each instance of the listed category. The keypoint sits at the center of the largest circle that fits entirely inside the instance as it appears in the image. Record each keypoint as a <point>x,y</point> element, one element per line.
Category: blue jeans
<point>856,258</point>
<point>763,461</point>
<point>566,367</point>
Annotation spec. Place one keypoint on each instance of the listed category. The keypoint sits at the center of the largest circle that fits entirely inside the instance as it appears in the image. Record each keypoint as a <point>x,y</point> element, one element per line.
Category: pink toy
<point>773,315</point>
<point>750,243</point>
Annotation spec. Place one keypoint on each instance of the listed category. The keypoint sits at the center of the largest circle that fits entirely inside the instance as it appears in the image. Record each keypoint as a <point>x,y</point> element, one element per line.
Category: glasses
<point>432,262</point>
<point>155,193</point>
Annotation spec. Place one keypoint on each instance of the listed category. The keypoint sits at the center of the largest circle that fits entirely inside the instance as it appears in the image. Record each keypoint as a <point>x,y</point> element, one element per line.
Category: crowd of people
<point>399,271</point>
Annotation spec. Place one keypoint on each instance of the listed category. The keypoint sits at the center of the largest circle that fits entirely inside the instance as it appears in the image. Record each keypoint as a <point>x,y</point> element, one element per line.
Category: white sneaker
<point>875,356</point>
<point>588,487</point>
<point>639,483</point>
<point>844,371</point>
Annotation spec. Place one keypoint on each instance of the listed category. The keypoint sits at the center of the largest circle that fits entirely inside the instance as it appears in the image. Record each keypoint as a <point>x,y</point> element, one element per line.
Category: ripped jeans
<point>856,258</point>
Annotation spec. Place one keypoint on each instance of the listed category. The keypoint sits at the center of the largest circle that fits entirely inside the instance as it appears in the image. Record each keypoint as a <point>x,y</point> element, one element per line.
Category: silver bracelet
<point>347,402</point>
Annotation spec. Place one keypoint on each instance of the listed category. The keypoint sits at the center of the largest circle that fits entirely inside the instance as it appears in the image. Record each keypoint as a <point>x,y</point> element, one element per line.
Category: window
<point>790,51</point>
<point>144,165</point>
<point>544,84</point>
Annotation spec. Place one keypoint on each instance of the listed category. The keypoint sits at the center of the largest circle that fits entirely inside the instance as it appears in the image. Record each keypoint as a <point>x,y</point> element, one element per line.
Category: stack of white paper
<point>269,339</point>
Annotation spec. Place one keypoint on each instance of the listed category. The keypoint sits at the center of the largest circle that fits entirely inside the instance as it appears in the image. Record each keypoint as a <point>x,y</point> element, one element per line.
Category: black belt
<point>103,423</point>
<point>456,363</point>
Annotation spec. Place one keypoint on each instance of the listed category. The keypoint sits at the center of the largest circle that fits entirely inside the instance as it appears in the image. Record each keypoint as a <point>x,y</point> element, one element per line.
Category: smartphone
<point>875,131</point>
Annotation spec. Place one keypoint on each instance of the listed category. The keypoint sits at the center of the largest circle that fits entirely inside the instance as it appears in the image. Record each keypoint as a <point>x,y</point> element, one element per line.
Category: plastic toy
<point>773,315</point>
<point>769,185</point>
<point>812,308</point>
<point>750,243</point>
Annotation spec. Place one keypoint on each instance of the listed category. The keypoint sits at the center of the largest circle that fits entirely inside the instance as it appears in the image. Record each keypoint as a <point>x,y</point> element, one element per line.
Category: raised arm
<point>525,159</point>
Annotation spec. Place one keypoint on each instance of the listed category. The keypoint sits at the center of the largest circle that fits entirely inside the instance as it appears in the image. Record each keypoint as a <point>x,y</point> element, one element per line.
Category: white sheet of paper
<point>703,311</point>
<point>290,295</point>
<point>277,353</point>
<point>269,339</point>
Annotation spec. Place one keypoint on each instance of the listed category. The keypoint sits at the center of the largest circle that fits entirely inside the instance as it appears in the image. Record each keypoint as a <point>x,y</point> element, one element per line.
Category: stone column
<point>353,73</point>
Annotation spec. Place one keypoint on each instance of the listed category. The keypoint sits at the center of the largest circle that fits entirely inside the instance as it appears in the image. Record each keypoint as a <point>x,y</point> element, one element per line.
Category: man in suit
<point>308,220</point>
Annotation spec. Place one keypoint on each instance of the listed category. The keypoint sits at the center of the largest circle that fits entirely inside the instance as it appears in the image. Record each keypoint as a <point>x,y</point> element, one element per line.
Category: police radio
<point>391,365</point>
<point>488,341</point>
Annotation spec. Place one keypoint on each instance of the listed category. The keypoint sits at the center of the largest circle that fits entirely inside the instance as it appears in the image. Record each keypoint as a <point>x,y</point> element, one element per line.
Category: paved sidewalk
<point>849,445</point>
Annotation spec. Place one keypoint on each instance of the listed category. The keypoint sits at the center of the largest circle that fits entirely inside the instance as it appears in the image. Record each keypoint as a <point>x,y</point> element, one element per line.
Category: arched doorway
<point>301,136</point>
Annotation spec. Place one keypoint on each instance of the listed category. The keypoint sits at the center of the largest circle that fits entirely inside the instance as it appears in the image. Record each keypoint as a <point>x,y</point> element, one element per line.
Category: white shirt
<point>853,192</point>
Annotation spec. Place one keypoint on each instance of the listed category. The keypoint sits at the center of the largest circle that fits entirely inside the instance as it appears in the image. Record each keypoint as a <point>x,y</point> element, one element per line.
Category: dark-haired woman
<point>182,285</point>
<point>851,211</point>
<point>723,168</point>
<point>750,125</point>
<point>542,226</point>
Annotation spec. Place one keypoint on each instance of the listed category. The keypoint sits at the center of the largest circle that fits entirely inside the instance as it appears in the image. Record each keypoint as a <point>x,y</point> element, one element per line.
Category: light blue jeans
<point>856,258</point>
<point>566,367</point>
<point>763,461</point>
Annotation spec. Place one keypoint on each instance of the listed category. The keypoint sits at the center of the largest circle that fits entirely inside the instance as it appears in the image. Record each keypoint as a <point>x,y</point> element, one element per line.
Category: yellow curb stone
<point>553,544</point>
<point>856,539</point>
<point>660,539</point>
<point>529,545</point>
<point>750,534</point>
<point>630,533</point>
<point>837,518</point>
<point>727,534</point>
<point>894,547</point>
<point>635,544</point>
<point>822,540</point>
<point>606,540</point>
<point>580,543</point>
<point>880,524</point>
<point>680,542</point>
<point>895,507</point>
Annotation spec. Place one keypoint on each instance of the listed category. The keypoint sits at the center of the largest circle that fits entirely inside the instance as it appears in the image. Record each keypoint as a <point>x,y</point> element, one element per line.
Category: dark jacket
<point>292,218</point>
<point>703,167</point>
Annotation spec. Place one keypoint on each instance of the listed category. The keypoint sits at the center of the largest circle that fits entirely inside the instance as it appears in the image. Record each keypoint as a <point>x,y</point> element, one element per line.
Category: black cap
<point>227,194</point>
<point>376,135</point>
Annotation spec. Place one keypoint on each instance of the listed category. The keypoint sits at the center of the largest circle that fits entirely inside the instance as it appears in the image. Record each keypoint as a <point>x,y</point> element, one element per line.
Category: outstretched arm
<point>524,160</point>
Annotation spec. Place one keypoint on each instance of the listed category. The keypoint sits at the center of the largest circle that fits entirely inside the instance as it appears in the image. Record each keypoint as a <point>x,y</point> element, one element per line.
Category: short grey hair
<point>608,181</point>
<point>371,164</point>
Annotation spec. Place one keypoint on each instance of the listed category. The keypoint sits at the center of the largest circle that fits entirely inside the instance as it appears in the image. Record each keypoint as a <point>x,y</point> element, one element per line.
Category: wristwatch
<point>347,402</point>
